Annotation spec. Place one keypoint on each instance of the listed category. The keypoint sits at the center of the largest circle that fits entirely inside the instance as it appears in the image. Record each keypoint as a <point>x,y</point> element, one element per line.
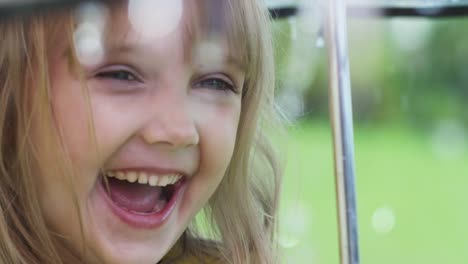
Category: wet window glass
<point>409,85</point>
<point>408,79</point>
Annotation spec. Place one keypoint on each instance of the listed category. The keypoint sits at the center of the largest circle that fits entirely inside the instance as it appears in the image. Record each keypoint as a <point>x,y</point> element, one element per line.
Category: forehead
<point>195,26</point>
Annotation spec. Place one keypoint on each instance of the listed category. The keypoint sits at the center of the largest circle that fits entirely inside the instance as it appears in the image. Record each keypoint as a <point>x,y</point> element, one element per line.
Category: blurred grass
<point>418,199</point>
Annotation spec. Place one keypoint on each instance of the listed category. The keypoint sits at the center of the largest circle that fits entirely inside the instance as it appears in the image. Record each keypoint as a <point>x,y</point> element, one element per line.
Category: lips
<point>142,205</point>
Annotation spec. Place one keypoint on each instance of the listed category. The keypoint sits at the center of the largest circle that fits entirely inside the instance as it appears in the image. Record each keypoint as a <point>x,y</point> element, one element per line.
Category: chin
<point>110,248</point>
<point>136,254</point>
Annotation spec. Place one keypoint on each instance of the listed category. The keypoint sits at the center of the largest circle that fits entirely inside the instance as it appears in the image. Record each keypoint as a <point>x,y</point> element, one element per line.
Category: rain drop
<point>449,139</point>
<point>410,35</point>
<point>209,52</point>
<point>291,101</point>
<point>383,220</point>
<point>319,42</point>
<point>295,224</point>
<point>88,44</point>
<point>94,13</point>
<point>154,18</point>
<point>91,19</point>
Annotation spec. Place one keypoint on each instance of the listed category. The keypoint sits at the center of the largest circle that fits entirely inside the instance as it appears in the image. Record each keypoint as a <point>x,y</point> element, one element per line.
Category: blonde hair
<point>243,210</point>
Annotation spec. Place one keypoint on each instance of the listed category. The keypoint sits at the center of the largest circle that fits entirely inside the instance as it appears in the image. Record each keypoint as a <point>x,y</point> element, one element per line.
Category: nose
<point>170,123</point>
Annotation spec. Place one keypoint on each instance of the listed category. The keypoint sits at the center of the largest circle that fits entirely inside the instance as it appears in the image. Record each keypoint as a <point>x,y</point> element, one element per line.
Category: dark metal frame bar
<point>10,7</point>
<point>357,11</point>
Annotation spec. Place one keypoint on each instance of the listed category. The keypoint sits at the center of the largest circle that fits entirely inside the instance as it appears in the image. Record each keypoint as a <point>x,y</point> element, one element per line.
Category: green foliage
<point>409,70</point>
<point>411,200</point>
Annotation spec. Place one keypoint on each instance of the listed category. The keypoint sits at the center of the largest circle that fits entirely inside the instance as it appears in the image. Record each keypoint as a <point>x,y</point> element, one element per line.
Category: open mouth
<point>142,197</point>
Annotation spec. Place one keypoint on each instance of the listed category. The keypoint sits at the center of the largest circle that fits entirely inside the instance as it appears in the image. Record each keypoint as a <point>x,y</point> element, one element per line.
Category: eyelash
<point>226,86</point>
<point>216,82</point>
<point>118,75</point>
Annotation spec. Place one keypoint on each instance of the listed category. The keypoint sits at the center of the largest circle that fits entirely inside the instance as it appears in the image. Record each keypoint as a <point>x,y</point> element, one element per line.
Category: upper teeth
<point>145,178</point>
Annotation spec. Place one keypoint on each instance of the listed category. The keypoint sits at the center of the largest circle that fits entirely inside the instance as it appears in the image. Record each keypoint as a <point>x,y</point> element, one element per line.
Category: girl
<point>116,130</point>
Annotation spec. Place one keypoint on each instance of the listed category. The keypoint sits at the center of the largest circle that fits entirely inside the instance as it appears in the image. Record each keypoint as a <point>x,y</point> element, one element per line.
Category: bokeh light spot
<point>383,220</point>
<point>154,18</point>
<point>88,44</point>
<point>209,52</point>
<point>88,36</point>
<point>295,223</point>
<point>410,35</point>
<point>449,140</point>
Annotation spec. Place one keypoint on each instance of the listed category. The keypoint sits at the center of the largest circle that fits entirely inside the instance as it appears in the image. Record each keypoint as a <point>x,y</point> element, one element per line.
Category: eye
<point>216,84</point>
<point>120,75</point>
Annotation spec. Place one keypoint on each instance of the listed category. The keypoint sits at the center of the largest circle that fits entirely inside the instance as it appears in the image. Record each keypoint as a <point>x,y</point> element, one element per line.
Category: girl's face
<point>158,124</point>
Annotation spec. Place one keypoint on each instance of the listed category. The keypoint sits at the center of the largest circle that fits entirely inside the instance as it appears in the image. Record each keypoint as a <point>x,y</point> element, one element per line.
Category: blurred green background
<point>410,90</point>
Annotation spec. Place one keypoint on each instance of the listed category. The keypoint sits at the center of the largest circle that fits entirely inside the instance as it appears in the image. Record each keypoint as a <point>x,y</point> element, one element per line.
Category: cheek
<point>87,128</point>
<point>217,127</point>
<point>91,127</point>
<point>218,132</point>
<point>71,113</point>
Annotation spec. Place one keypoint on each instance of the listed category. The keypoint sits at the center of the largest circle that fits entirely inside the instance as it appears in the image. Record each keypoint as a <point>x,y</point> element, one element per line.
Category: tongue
<point>135,197</point>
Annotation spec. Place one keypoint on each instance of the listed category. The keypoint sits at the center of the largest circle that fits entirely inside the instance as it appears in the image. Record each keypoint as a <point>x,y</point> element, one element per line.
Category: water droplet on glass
<point>94,13</point>
<point>88,36</point>
<point>209,52</point>
<point>409,34</point>
<point>319,42</point>
<point>383,220</point>
<point>449,139</point>
<point>154,18</point>
<point>295,222</point>
<point>88,44</point>
<point>320,39</point>
<point>291,102</point>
